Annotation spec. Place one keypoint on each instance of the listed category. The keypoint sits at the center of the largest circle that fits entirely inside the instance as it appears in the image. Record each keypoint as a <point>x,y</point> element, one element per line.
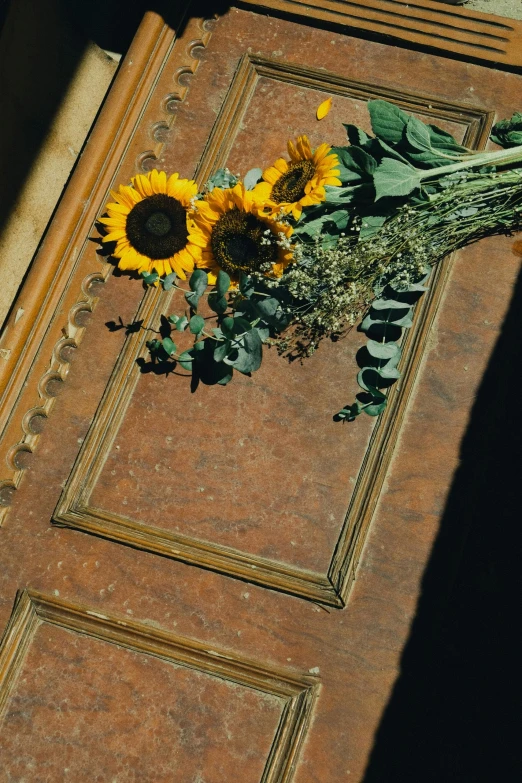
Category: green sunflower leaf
<point>356,136</point>
<point>168,346</point>
<point>196,324</point>
<point>388,121</point>
<point>441,139</point>
<point>223,281</point>
<point>371,225</point>
<point>394,178</point>
<point>251,178</point>
<point>418,134</point>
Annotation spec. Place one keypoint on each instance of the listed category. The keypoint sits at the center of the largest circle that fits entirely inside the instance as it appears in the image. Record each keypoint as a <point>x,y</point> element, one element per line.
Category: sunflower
<point>239,237</point>
<point>290,186</point>
<point>152,227</point>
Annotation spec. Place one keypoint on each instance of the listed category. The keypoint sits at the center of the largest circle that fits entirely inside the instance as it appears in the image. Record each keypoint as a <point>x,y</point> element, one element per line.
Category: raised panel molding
<point>75,509</point>
<point>297,693</point>
<point>459,31</point>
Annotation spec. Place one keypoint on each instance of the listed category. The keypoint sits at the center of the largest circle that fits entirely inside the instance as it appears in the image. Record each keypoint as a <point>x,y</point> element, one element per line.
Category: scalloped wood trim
<point>36,334</point>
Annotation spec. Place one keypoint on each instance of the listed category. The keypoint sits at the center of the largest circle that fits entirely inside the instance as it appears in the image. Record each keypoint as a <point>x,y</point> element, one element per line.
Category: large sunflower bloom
<point>239,237</point>
<point>291,185</point>
<point>150,223</point>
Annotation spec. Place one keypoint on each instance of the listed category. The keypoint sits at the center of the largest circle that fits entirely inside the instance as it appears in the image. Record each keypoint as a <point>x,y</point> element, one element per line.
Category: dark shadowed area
<point>452,713</point>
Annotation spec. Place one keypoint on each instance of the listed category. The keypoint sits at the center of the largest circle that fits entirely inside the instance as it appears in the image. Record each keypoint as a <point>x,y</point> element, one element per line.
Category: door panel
<point>209,631</point>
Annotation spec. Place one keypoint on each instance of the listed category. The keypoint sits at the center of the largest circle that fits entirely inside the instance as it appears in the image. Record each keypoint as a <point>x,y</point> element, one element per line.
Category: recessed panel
<point>255,479</point>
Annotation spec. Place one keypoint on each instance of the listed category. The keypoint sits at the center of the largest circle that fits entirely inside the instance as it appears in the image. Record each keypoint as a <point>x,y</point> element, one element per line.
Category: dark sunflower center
<point>243,243</point>
<point>290,186</point>
<point>157,226</point>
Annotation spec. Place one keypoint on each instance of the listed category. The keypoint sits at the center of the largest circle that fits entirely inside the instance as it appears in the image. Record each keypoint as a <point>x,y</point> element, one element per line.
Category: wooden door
<point>217,586</point>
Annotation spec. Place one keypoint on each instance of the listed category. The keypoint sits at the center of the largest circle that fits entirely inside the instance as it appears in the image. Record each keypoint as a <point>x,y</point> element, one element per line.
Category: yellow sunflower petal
<point>157,181</point>
<point>292,151</point>
<point>281,165</point>
<point>303,147</point>
<point>142,184</point>
<point>324,108</point>
<point>271,175</point>
<point>171,183</point>
<point>297,210</point>
<point>119,221</point>
<point>118,233</point>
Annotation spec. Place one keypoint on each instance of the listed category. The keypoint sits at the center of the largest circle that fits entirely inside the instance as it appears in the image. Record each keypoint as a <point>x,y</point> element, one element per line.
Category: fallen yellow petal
<point>324,108</point>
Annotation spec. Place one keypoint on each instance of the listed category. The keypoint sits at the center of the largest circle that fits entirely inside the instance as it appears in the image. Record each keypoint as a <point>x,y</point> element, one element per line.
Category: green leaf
<point>221,351</point>
<point>394,178</point>
<point>375,409</point>
<point>168,282</point>
<point>186,360</point>
<point>222,282</point>
<point>246,285</point>
<point>199,346</point>
<point>404,321</point>
<point>383,350</point>
<point>418,134</point>
<point>376,377</point>
<point>340,217</point>
<point>221,179</point>
<point>181,323</point>
<point>250,353</point>
<point>192,299</point>
<point>217,303</point>
<point>356,135</point>
<point>338,196</point>
<point>168,346</point>
<point>196,324</point>
<point>151,278</point>
<point>198,282</point>
<point>388,121</point>
<point>173,319</point>
<point>226,377</point>
<point>441,139</point>
<point>241,325</point>
<point>227,327</point>
<point>251,179</point>
<point>388,304</point>
<point>363,160</point>
<point>371,225</point>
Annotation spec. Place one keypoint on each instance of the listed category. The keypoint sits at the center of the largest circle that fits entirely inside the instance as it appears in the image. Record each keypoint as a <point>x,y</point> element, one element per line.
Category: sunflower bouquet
<point>319,241</point>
